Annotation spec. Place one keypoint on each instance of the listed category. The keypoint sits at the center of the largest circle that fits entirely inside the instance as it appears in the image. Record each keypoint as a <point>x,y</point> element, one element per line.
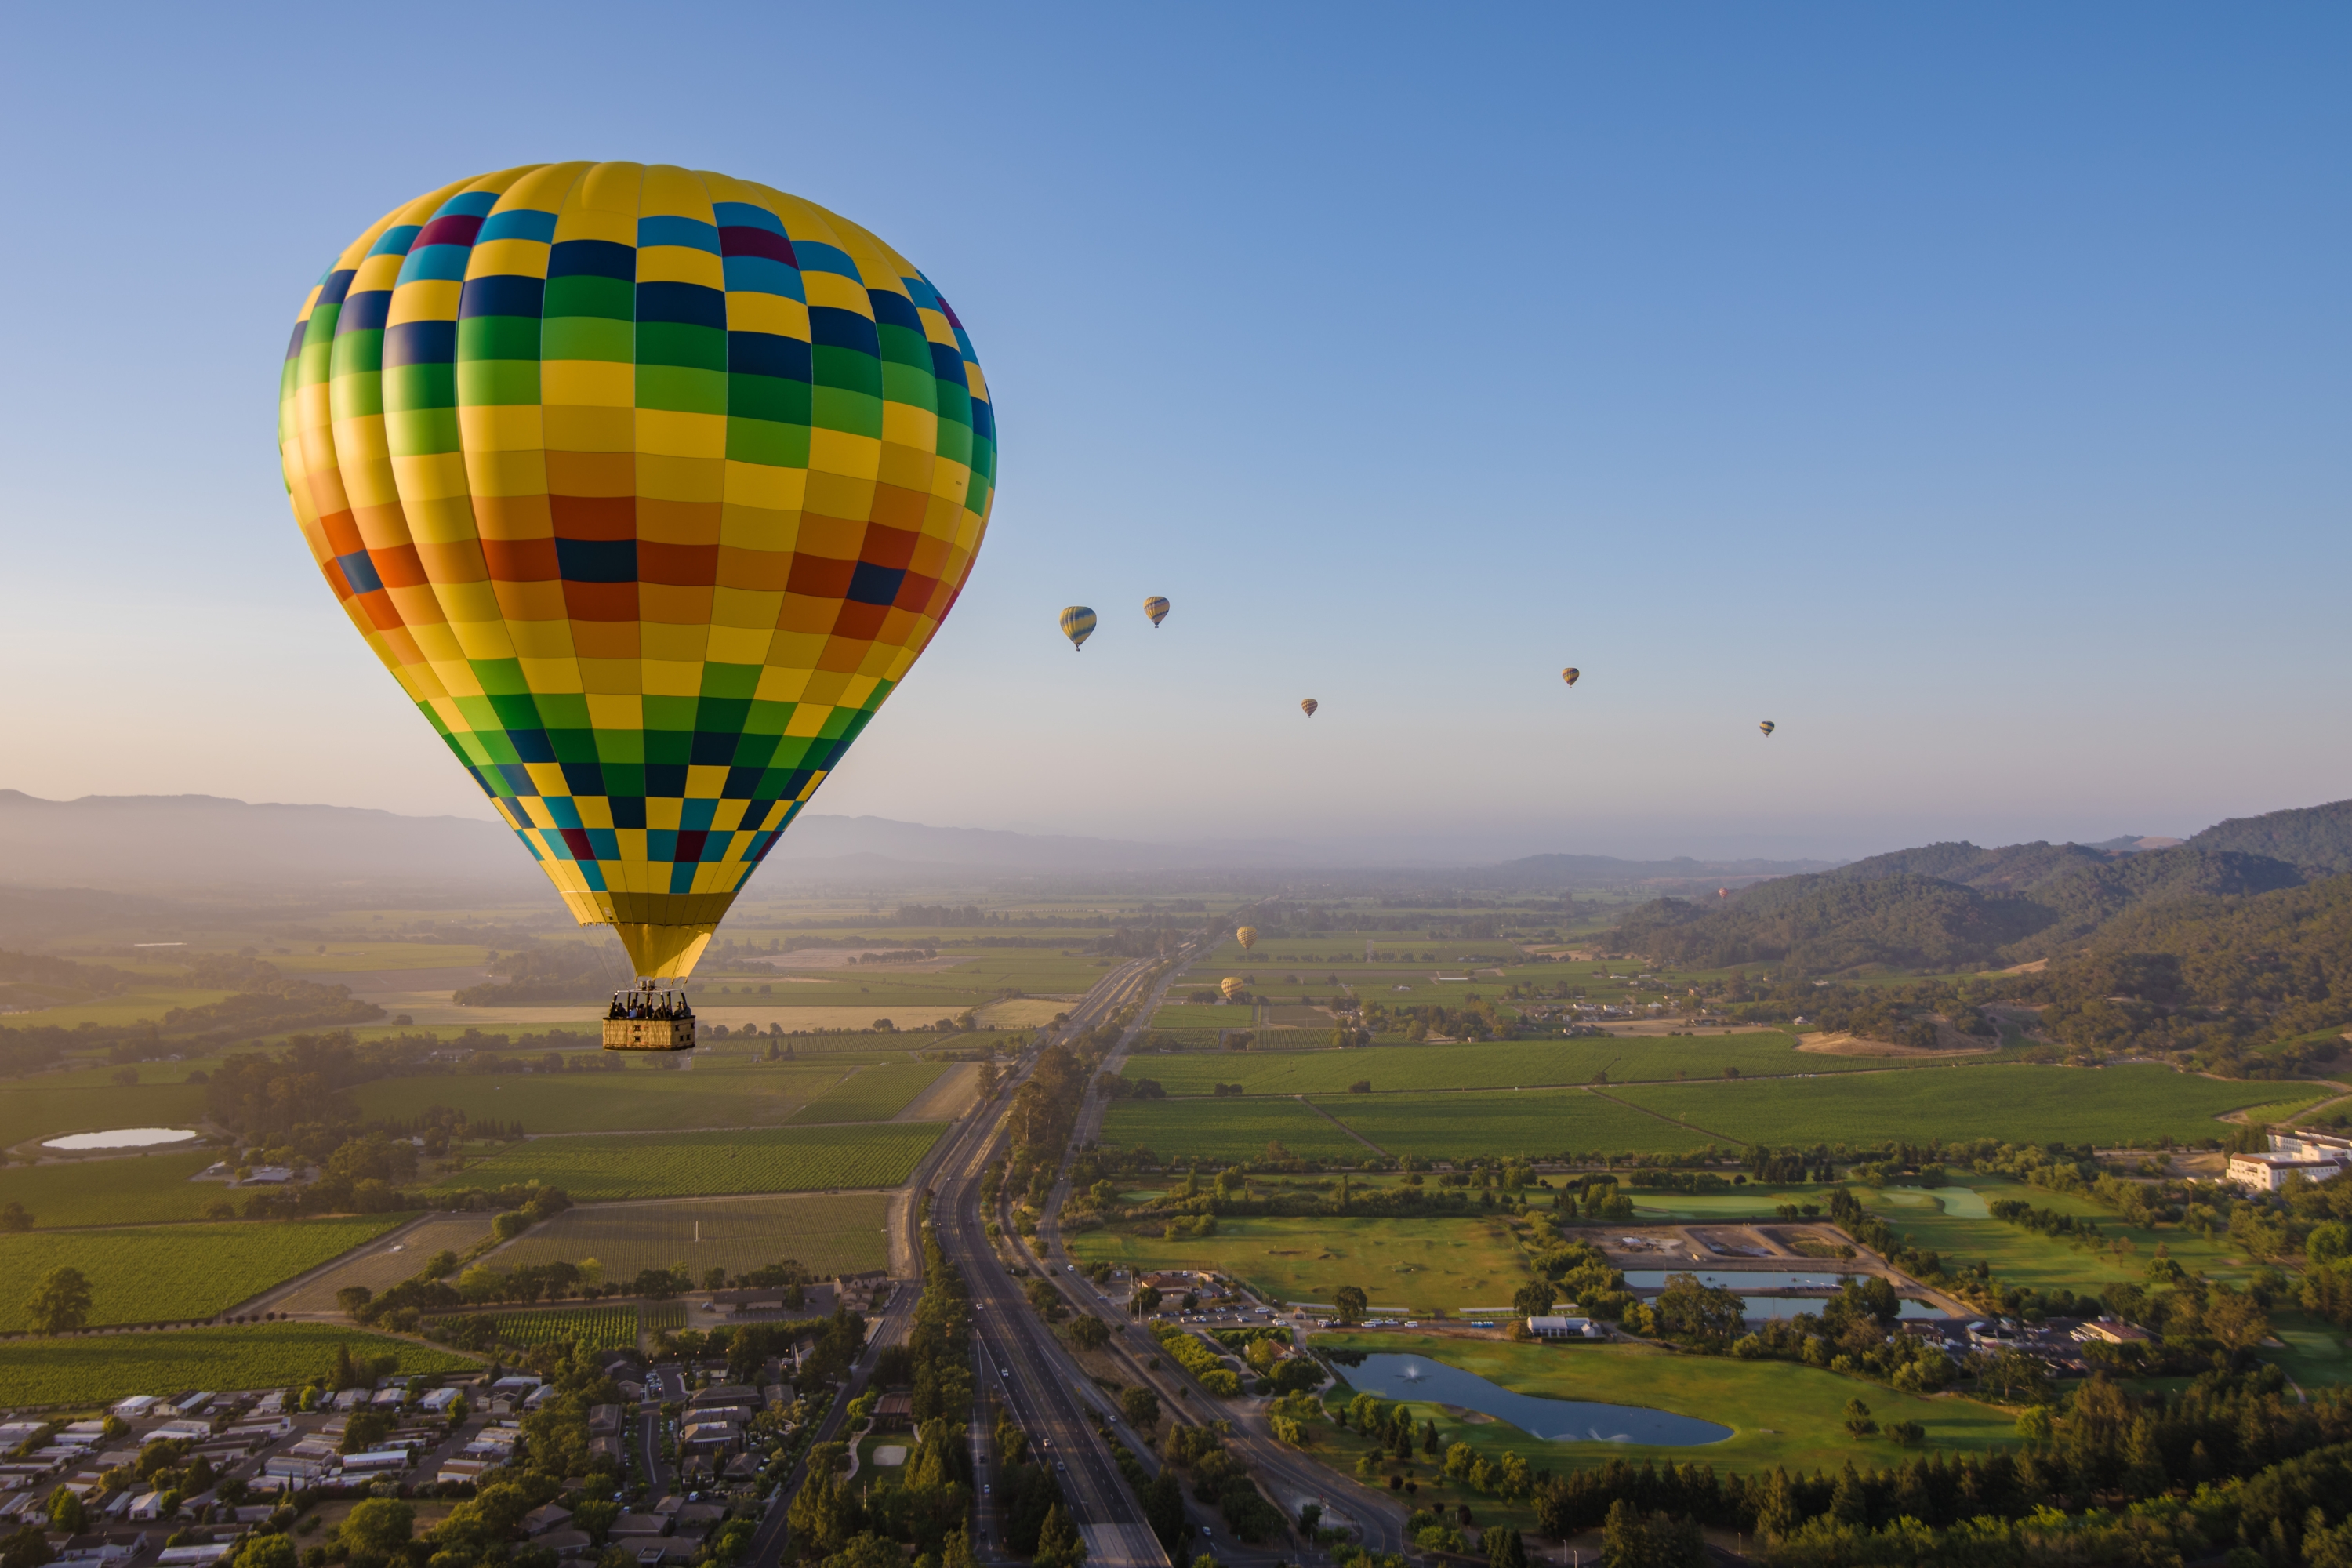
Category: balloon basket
<point>647,1019</point>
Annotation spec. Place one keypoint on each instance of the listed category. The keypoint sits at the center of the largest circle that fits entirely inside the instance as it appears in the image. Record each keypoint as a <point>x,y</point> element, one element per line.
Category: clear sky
<point>1964,389</point>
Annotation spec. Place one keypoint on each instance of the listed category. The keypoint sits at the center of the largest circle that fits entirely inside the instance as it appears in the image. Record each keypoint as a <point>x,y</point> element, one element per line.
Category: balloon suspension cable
<point>649,998</point>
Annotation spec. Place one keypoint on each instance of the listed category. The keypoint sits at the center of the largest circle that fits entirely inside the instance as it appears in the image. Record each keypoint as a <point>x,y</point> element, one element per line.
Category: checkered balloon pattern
<point>648,486</point>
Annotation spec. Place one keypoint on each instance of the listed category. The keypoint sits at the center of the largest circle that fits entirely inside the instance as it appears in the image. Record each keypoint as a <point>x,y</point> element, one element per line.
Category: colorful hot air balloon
<point>1569,674</point>
<point>1308,707</point>
<point>1156,608</point>
<point>1723,892</point>
<point>1246,936</point>
<point>1767,726</point>
<point>1078,625</point>
<point>648,486</point>
<point>1232,985</point>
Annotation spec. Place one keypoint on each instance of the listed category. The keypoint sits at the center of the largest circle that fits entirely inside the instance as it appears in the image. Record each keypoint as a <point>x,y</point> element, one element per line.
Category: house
<point>2268,1172</point>
<point>295,1468</point>
<point>894,1412</point>
<point>99,1549</point>
<point>546,1517</point>
<point>147,1504</point>
<point>464,1473</point>
<point>639,1526</point>
<point>1562,1328</point>
<point>2114,1331</point>
<point>352,1398</point>
<point>724,1393</point>
<point>743,1467</point>
<point>194,1556</point>
<point>266,1177</point>
<point>135,1408</point>
<point>603,1419</point>
<point>707,1435</point>
<point>604,1448</point>
<point>439,1400</point>
<point>567,1542</point>
<point>376,1461</point>
<point>773,1301</point>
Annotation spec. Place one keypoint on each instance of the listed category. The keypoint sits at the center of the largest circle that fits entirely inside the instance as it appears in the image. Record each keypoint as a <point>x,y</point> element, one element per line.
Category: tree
<point>867,1550</point>
<point>13,1217</point>
<point>60,1303</point>
<point>1350,1303</point>
<point>1534,1298</point>
<point>65,1512</point>
<point>1140,1406</point>
<point>353,1299</point>
<point>714,1277</point>
<point>1631,1539</point>
<point>1505,1549</point>
<point>1059,1544</point>
<point>1146,1302</point>
<point>1858,1419</point>
<point>378,1526</point>
<point>1088,1333</point>
<point>1164,1509</point>
<point>27,1547</point>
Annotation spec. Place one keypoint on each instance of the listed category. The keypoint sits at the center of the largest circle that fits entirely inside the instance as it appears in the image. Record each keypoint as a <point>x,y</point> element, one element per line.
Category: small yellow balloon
<point>1246,936</point>
<point>1078,625</point>
<point>1231,985</point>
<point>1569,674</point>
<point>1308,707</point>
<point>1156,608</point>
<point>1767,726</point>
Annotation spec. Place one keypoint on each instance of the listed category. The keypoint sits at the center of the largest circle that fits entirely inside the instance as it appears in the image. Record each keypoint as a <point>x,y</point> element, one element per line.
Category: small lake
<point>1797,1306</point>
<point>121,1138</point>
<point>1743,1279</point>
<point>1557,1420</point>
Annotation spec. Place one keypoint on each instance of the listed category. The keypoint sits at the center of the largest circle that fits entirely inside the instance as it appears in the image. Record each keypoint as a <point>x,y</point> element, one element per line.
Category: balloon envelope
<point>649,485</point>
<point>1569,674</point>
<point>1768,726</point>
<point>1078,625</point>
<point>1231,985</point>
<point>1156,608</point>
<point>1308,707</point>
<point>1246,936</point>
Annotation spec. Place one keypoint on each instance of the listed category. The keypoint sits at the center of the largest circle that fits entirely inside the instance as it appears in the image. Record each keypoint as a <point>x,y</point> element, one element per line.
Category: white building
<point>2294,1152</point>
<point>1565,1329</point>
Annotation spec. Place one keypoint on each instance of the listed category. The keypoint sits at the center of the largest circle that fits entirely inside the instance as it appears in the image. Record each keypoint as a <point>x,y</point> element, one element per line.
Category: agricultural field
<point>2136,1105</point>
<point>91,1370</point>
<point>1781,1413</point>
<point>685,1164</point>
<point>1201,1015</point>
<point>131,1189</point>
<point>1499,1122</point>
<point>1957,1225</point>
<point>598,1327</point>
<point>47,1107</point>
<point>176,1273</point>
<point>1420,1267</point>
<point>1530,1064</point>
<point>1225,1130</point>
<point>145,1004</point>
<point>827,1234</point>
<point>729,1090</point>
<point>870,1093</point>
<point>394,1258</point>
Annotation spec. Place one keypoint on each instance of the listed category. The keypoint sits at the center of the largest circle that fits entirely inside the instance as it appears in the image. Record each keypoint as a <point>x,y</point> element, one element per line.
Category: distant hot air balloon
<point>1156,608</point>
<point>1078,625</point>
<point>649,485</point>
<point>1231,985</point>
<point>1246,936</point>
<point>1308,707</point>
<point>1569,674</point>
<point>1723,892</point>
<point>1767,726</point>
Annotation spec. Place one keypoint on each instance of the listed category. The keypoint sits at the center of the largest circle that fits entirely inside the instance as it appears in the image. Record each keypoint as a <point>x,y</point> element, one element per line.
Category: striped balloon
<point>1078,625</point>
<point>1156,608</point>
<point>648,486</point>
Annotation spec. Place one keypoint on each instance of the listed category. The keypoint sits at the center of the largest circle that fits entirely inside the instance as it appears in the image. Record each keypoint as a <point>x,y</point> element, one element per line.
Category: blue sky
<point>1965,392</point>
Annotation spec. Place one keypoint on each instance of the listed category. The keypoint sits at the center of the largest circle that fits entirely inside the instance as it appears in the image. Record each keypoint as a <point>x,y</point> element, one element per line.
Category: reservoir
<point>121,1138</point>
<point>1431,1382</point>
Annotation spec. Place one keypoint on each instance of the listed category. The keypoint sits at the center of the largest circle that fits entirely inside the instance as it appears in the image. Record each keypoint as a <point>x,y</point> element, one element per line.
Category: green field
<point>1200,1014</point>
<point>176,1273</point>
<point>1781,1412</point>
<point>41,1108</point>
<point>598,1328</point>
<point>870,1093</point>
<point>715,1093</point>
<point>145,1004</point>
<point>1227,1129</point>
<point>2021,1256</point>
<point>91,1370</point>
<point>1530,1064</point>
<point>827,1234</point>
<point>130,1190</point>
<point>2015,1104</point>
<point>683,1164</point>
<point>1536,1122</point>
<point>1416,1266</point>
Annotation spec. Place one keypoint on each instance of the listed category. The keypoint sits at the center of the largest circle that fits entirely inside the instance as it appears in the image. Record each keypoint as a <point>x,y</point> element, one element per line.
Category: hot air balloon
<point>1246,936</point>
<point>1308,707</point>
<point>1723,892</point>
<point>1156,608</point>
<point>1569,674</point>
<point>1767,726</point>
<point>1078,625</point>
<point>649,485</point>
<point>1231,985</point>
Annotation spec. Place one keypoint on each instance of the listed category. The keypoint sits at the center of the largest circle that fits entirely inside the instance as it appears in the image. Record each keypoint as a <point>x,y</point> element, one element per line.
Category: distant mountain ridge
<point>1944,906</point>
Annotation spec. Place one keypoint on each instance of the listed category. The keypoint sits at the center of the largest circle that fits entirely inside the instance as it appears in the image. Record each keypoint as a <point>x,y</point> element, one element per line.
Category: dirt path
<point>1341,1125</point>
<point>949,1097</point>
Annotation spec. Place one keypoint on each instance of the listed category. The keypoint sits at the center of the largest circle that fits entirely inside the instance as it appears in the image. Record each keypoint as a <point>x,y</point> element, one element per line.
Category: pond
<point>121,1138</point>
<point>1741,1279</point>
<point>1797,1306</point>
<point>1557,1420</point>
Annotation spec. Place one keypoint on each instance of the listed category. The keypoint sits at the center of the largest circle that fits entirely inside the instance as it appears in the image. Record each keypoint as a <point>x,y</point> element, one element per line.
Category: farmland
<point>89,1370</point>
<point>714,1092</point>
<point>826,1234</point>
<point>683,1164</point>
<point>381,1266</point>
<point>43,1109</point>
<point>1420,1266</point>
<point>128,1190</point>
<point>1538,1122</point>
<point>1781,1413</point>
<point>1505,1065</point>
<point>598,1327</point>
<point>2015,1104</point>
<point>1203,1015</point>
<point>1227,1129</point>
<point>870,1093</point>
<point>176,1273</point>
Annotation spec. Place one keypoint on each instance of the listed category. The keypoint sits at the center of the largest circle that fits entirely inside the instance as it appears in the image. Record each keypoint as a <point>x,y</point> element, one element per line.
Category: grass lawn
<point>685,1164</point>
<point>167,1274</point>
<point>828,1235</point>
<point>91,1370</point>
<point>38,1107</point>
<point>1225,1130</point>
<point>1538,1122</point>
<point>133,1189</point>
<point>1417,1265</point>
<point>2021,1256</point>
<point>715,1093</point>
<point>2015,1104</point>
<point>1781,1413</point>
